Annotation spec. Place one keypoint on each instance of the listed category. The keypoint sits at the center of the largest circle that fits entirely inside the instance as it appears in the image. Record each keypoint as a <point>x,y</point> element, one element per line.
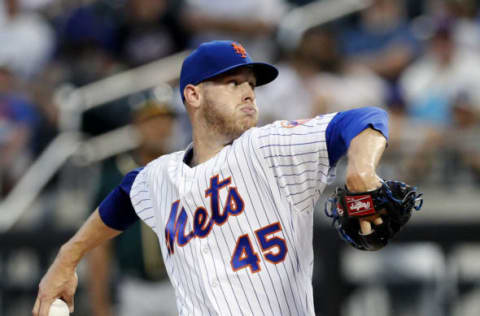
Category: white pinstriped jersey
<point>236,231</point>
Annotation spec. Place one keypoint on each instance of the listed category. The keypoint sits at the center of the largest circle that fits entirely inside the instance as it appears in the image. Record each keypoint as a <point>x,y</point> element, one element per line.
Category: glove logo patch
<point>359,205</point>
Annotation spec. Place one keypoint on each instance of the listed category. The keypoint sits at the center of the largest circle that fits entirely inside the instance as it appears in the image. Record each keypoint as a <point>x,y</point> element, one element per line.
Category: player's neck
<point>206,145</point>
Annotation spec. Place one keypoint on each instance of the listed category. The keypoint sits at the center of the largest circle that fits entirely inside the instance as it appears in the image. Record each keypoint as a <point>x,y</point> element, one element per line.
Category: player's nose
<point>248,93</point>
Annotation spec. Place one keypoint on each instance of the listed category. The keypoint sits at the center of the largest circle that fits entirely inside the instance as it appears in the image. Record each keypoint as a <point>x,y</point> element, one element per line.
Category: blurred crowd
<point>420,60</point>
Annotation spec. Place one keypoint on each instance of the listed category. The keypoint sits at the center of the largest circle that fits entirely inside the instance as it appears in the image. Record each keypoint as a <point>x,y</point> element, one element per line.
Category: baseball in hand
<point>59,308</point>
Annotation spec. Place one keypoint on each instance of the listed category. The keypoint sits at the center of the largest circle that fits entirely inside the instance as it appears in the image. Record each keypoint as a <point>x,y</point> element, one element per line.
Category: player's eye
<point>233,82</point>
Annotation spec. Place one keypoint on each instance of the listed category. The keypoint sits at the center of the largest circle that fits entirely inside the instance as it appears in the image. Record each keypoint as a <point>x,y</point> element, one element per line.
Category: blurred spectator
<point>42,92</point>
<point>88,43</point>
<point>341,85</point>
<point>466,29</point>
<point>466,127</point>
<point>382,41</point>
<point>99,39</point>
<point>315,79</point>
<point>433,87</point>
<point>293,94</point>
<point>133,33</point>
<point>432,83</point>
<point>28,40</point>
<point>88,52</point>
<point>17,123</point>
<point>148,31</point>
<point>143,286</point>
<point>250,22</point>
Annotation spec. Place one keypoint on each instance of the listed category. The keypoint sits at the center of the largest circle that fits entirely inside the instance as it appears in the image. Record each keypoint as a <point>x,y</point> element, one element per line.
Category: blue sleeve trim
<point>346,125</point>
<point>116,210</point>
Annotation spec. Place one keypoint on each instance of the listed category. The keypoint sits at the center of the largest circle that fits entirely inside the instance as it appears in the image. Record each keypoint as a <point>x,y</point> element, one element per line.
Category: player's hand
<point>60,281</point>
<point>361,182</point>
<point>366,224</point>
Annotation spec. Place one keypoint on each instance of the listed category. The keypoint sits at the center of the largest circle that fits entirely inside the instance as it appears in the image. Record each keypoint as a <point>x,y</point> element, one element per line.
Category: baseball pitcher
<point>233,212</point>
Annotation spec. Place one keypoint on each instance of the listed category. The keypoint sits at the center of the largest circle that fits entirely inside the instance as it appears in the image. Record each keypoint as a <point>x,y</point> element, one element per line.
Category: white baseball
<point>59,308</point>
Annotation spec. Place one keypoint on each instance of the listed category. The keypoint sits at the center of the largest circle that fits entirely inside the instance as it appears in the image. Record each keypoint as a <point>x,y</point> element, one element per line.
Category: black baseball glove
<point>394,202</point>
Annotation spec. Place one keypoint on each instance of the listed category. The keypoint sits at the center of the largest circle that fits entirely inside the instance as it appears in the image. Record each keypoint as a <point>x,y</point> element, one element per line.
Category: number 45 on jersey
<point>274,249</point>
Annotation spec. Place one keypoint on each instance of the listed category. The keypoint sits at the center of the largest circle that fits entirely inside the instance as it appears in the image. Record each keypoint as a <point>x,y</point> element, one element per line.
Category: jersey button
<point>214,284</point>
<point>205,250</point>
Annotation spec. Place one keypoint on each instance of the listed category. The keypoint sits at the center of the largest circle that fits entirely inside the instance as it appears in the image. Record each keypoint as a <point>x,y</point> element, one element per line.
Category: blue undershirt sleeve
<point>116,210</point>
<point>348,124</point>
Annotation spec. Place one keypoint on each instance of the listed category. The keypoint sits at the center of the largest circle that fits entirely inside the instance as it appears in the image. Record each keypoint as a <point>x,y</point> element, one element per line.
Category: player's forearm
<point>364,154</point>
<point>92,233</point>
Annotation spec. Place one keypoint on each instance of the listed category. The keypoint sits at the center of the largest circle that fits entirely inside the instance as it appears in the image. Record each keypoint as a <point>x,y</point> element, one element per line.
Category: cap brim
<point>264,73</point>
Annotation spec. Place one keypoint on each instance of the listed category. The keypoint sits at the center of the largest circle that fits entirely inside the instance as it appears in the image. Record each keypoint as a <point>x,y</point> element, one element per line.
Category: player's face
<point>229,106</point>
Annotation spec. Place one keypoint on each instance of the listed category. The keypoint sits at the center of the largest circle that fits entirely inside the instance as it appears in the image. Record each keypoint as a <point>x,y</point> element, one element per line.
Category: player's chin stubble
<point>226,125</point>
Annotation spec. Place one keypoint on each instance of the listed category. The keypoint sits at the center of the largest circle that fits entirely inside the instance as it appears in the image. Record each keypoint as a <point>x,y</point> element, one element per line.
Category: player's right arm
<point>60,281</point>
<point>114,215</point>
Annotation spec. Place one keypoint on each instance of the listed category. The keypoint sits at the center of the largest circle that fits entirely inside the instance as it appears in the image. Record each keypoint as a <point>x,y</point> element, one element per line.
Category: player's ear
<point>192,95</point>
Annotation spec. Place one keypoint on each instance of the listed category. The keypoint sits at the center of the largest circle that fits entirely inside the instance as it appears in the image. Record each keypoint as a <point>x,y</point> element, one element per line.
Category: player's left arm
<point>364,154</point>
<point>367,199</point>
<point>114,215</point>
<point>362,134</point>
<point>60,281</point>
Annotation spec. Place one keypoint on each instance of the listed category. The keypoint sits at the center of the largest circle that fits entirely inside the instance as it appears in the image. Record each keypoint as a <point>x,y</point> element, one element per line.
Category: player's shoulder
<point>158,168</point>
<point>162,162</point>
<point>292,126</point>
<point>284,133</point>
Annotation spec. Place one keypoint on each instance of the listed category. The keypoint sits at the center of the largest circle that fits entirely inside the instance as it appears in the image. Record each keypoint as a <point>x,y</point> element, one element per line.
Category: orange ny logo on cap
<point>239,49</point>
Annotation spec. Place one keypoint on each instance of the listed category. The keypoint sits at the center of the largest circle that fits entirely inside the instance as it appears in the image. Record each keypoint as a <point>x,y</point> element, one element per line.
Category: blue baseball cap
<point>213,58</point>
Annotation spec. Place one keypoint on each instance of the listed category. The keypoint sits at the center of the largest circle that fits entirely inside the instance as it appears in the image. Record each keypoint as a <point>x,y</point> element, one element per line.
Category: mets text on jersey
<point>202,224</point>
